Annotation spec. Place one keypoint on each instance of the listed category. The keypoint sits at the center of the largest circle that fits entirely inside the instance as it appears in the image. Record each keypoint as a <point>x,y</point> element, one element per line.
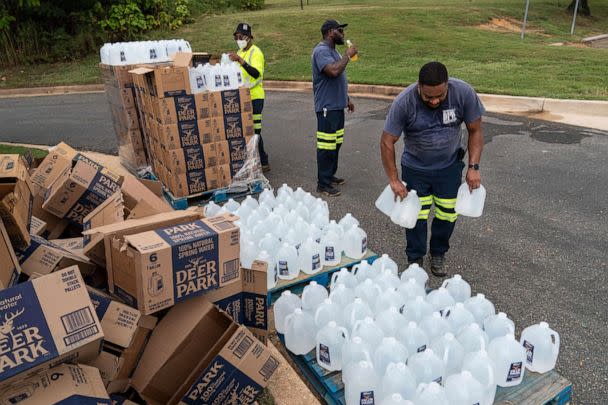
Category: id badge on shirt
<point>449,116</point>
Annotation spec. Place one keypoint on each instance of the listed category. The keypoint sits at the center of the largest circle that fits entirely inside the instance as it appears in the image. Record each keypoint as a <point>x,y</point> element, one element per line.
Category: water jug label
<point>316,262</point>
<point>199,82</point>
<point>123,58</point>
<point>367,398</point>
<point>438,380</point>
<point>421,348</point>
<point>514,372</point>
<point>329,253</point>
<point>529,351</point>
<point>364,245</point>
<point>324,354</point>
<point>226,81</point>
<point>218,80</point>
<point>283,268</point>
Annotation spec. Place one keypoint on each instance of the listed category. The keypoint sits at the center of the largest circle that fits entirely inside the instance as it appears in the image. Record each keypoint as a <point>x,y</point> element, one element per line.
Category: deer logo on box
<point>231,102</point>
<point>185,108</point>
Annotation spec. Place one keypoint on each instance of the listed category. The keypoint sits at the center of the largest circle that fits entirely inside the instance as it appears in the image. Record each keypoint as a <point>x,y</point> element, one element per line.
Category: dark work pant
<point>258,106</point>
<point>330,135</point>
<point>439,187</point>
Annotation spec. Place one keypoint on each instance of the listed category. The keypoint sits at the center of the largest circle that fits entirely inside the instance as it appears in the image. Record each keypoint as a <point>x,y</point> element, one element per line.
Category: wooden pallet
<point>535,389</point>
<point>323,277</point>
<point>218,195</point>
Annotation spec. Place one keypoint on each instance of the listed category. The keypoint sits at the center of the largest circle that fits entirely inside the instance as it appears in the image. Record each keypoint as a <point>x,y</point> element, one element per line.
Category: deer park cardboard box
<point>125,331</point>
<point>37,226</point>
<point>9,265</point>
<point>230,102</point>
<point>72,245</point>
<point>64,384</point>
<point>45,322</point>
<point>75,194</point>
<point>174,263</point>
<point>165,80</point>
<point>112,210</point>
<point>16,198</point>
<point>198,355</point>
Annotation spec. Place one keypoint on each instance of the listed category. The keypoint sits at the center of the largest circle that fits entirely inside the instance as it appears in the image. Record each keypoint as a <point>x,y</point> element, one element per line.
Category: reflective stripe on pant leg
<point>444,209</point>
<point>257,121</point>
<point>426,203</point>
<point>326,141</point>
<point>340,135</point>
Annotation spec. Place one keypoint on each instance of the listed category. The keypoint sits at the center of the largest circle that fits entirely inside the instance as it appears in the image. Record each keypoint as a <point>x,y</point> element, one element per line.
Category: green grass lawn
<point>395,37</point>
<point>10,149</point>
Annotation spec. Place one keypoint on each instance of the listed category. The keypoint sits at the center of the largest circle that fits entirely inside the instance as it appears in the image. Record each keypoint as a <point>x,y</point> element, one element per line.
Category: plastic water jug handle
<point>315,318</point>
<point>344,332</point>
<point>368,357</point>
<point>421,387</point>
<point>483,342</point>
<point>445,283</point>
<point>288,320</point>
<point>356,326</point>
<point>556,343</point>
<point>334,278</point>
<point>304,293</point>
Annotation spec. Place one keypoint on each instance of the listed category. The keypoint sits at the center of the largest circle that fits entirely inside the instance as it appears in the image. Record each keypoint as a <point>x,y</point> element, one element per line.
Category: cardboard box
<point>165,80</point>
<point>229,102</point>
<point>135,190</point>
<point>198,355</point>
<point>77,193</point>
<point>66,383</point>
<point>191,158</point>
<point>116,232</point>
<point>9,265</point>
<point>194,182</point>
<point>186,133</point>
<point>112,210</point>
<point>47,321</point>
<point>54,165</point>
<point>54,226</point>
<point>126,330</point>
<point>120,400</point>
<point>72,245</point>
<point>16,199</point>
<point>238,126</point>
<point>37,226</point>
<point>168,265</point>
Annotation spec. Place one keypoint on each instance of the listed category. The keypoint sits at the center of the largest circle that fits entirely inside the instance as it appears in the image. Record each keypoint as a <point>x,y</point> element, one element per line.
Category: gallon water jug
<point>232,205</point>
<point>395,399</point>
<point>330,340</point>
<point>335,228</point>
<point>292,238</point>
<point>470,203</point>
<point>348,221</point>
<point>326,312</point>
<point>384,262</point>
<point>480,307</point>
<point>389,321</point>
<point>413,337</point>
<point>302,211</point>
<point>410,289</point>
<point>353,351</point>
<point>250,202</point>
<point>332,249</point>
<point>271,269</point>
<point>309,201</point>
<point>390,351</point>
<point>301,228</point>
<point>197,80</point>
<point>458,317</point>
<point>299,332</point>
<point>356,311</point>
<point>426,366</point>
<point>542,347</point>
<point>417,309</point>
<point>414,271</point>
<point>498,325</point>
<point>343,276</point>
<point>284,306</point>
<point>364,271</point>
<point>459,289</point>
<point>387,279</point>
<point>320,220</point>
<point>463,389</point>
<point>481,368</point>
<point>248,254</point>
<point>320,207</point>
<point>267,197</point>
<point>435,326</point>
<point>362,388</point>
<point>291,218</point>
<point>390,298</point>
<point>287,262</point>
<point>368,291</point>
<point>405,212</point>
<point>309,256</point>
<point>299,194</point>
<point>368,330</point>
<point>440,299</point>
<point>448,349</point>
<point>473,338</point>
<point>342,295</point>
<point>281,210</point>
<point>315,233</point>
<point>260,230</point>
<point>211,209</point>
<point>104,53</point>
<point>270,243</point>
<point>254,218</point>
<point>509,359</point>
<point>386,200</point>
<point>355,243</point>
<point>431,394</point>
<point>244,212</point>
<point>281,231</point>
<point>313,295</point>
<point>398,380</point>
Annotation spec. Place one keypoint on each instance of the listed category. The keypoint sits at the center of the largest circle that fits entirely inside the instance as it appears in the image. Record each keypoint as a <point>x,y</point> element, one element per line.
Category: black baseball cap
<point>243,28</point>
<point>331,25</point>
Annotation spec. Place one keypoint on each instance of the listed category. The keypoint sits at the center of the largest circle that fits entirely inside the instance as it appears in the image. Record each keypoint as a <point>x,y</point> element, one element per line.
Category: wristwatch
<point>474,166</point>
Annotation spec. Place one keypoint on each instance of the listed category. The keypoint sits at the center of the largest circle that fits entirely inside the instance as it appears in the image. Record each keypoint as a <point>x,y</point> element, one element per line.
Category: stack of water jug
<point>396,344</point>
<point>225,75</point>
<point>139,52</point>
<point>292,232</point>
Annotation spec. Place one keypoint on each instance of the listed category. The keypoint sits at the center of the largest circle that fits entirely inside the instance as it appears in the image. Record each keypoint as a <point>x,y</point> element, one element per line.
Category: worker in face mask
<point>251,60</point>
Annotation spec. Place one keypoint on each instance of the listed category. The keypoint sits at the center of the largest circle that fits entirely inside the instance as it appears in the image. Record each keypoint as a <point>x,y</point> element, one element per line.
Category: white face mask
<point>242,43</point>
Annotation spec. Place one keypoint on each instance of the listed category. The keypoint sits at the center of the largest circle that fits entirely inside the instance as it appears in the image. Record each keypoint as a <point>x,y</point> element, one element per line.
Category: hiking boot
<point>330,191</point>
<point>419,261</point>
<point>336,181</point>
<point>438,266</point>
<point>265,168</point>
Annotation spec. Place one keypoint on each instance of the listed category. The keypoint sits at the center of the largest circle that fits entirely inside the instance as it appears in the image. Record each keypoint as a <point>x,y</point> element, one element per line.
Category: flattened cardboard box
<point>48,321</point>
<point>126,330</point>
<point>198,355</point>
<point>9,264</point>
<point>178,262</point>
<point>64,384</point>
<point>16,199</point>
<point>75,194</point>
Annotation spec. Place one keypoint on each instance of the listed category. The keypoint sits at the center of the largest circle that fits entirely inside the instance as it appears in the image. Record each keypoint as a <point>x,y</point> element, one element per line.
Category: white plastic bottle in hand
<point>470,203</point>
<point>405,213</point>
<point>386,201</point>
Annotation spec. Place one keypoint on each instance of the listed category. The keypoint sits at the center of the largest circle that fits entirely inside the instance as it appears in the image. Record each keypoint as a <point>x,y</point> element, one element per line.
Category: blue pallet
<point>219,195</point>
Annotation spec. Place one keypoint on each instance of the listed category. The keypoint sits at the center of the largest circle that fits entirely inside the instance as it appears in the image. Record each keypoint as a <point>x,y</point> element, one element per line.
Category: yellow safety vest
<point>255,58</point>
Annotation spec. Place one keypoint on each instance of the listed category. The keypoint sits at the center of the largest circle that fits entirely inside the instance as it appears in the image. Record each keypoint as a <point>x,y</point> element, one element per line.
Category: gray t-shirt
<point>329,92</point>
<point>432,136</point>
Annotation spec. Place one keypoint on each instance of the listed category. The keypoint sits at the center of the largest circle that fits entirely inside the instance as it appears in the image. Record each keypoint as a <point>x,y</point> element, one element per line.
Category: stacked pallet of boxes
<point>120,92</point>
<point>197,142</point>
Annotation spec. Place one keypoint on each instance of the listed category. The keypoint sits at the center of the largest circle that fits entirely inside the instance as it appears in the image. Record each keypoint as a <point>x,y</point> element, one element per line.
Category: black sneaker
<point>438,266</point>
<point>329,191</point>
<point>419,261</point>
<point>336,181</point>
